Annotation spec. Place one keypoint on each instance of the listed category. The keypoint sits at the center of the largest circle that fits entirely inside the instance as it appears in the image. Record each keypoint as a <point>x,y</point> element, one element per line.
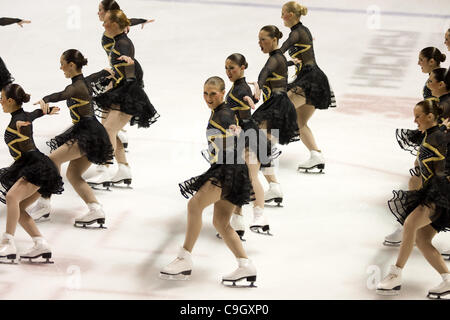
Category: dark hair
<point>433,53</point>
<point>442,74</point>
<point>75,56</point>
<point>110,5</point>
<point>216,81</point>
<point>239,59</point>
<point>119,17</point>
<point>273,31</point>
<point>16,92</point>
<point>431,106</point>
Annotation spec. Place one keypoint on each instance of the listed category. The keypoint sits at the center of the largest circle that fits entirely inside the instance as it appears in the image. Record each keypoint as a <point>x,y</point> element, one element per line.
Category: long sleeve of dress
<point>267,70</point>
<point>95,77</point>
<point>8,21</point>
<point>60,96</point>
<point>136,21</point>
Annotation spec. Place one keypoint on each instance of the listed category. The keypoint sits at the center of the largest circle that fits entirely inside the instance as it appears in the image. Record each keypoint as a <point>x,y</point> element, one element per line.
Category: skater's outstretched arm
<point>8,21</point>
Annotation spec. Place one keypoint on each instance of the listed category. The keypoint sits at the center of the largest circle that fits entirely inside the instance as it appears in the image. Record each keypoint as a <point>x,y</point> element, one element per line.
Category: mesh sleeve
<point>136,21</point>
<point>293,38</point>
<point>7,21</point>
<point>267,70</point>
<point>35,114</point>
<point>60,96</point>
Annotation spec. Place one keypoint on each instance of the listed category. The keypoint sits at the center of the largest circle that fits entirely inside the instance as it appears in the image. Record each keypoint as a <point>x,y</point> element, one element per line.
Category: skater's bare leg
<point>115,121</point>
<point>74,174</point>
<point>20,191</point>
<point>424,237</point>
<point>65,153</point>
<point>253,170</point>
<point>221,221</point>
<point>207,195</point>
<point>25,220</point>
<point>418,219</point>
<point>304,113</point>
<point>269,173</point>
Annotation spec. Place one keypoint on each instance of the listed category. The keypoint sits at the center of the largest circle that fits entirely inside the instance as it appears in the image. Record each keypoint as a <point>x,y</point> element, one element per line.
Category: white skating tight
<point>207,195</point>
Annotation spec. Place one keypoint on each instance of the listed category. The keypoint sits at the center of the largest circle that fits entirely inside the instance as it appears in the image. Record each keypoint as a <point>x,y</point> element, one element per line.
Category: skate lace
<point>391,276</point>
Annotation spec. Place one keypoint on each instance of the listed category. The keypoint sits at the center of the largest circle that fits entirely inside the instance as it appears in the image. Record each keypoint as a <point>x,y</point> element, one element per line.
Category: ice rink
<point>328,236</point>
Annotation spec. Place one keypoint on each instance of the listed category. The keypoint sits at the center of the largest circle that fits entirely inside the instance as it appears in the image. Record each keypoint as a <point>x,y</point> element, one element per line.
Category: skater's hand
<point>23,22</point>
<point>257,93</point>
<point>44,106</point>
<point>20,124</point>
<point>127,59</point>
<point>297,61</point>
<point>54,110</point>
<point>446,122</point>
<point>235,130</point>
<point>148,21</point>
<point>250,102</point>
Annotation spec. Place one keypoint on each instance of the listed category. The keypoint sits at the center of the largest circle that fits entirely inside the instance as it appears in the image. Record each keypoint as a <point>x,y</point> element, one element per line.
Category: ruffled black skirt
<point>232,178</point>
<point>5,76</point>
<point>130,98</point>
<point>91,137</point>
<point>314,86</point>
<point>36,168</point>
<point>256,141</point>
<point>435,193</point>
<point>409,140</point>
<point>279,113</point>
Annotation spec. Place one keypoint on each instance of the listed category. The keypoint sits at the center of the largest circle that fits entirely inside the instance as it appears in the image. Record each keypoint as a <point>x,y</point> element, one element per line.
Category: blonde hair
<point>119,17</point>
<point>297,9</point>
<point>217,82</point>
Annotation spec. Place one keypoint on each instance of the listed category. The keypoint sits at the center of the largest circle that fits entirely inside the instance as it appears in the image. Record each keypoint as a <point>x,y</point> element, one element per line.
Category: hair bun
<point>303,10</point>
<point>26,98</point>
<point>85,62</point>
<point>443,57</point>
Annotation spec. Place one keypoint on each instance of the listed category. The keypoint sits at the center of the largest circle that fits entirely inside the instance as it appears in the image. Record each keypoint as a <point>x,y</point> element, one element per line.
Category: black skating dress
<point>5,76</point>
<point>29,162</point>
<point>127,94</point>
<point>228,169</point>
<point>410,140</point>
<point>277,111</point>
<point>87,131</point>
<point>436,188</point>
<point>310,80</point>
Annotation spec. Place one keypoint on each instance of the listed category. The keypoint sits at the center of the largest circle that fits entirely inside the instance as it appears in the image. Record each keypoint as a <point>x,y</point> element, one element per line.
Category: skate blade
<point>312,169</point>
<point>261,230</point>
<point>438,296</point>
<point>45,217</point>
<point>86,225</point>
<point>388,292</point>
<point>278,202</point>
<point>32,260</point>
<point>184,276</point>
<point>236,284</point>
<point>445,256</point>
<point>392,244</point>
<point>117,183</point>
<point>240,234</point>
<point>104,186</point>
<point>10,259</point>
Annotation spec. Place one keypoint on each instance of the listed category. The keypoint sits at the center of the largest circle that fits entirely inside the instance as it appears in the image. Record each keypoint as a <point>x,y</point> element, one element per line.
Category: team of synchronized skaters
<point>424,209</point>
<point>240,144</point>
